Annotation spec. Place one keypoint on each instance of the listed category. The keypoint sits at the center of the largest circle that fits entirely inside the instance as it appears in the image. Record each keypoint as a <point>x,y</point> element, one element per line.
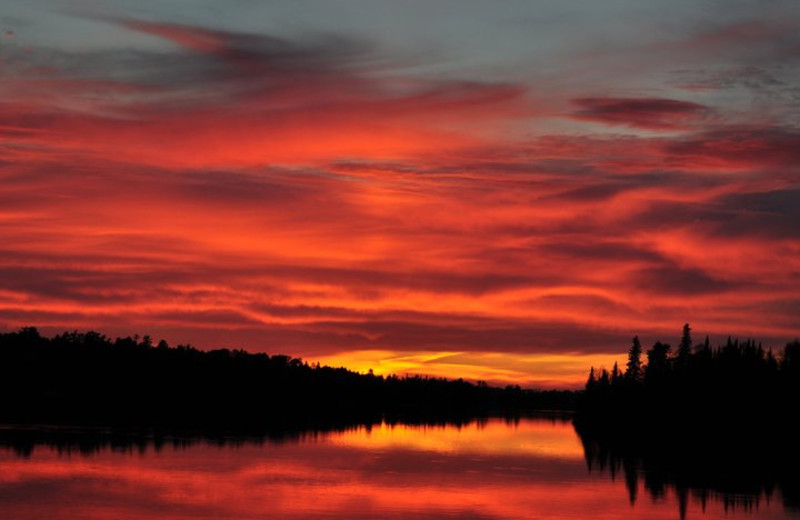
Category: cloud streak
<point>647,113</point>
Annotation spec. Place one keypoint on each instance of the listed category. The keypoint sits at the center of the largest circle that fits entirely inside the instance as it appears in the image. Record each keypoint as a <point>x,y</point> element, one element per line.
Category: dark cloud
<point>676,281</point>
<point>239,188</point>
<point>12,317</point>
<point>754,215</point>
<point>262,66</point>
<point>767,214</point>
<point>621,252</point>
<point>320,53</point>
<point>663,215</point>
<point>648,113</point>
<point>323,313</point>
<point>598,305</point>
<point>206,318</point>
<point>321,69</point>
<point>739,147</point>
<point>593,192</point>
<point>785,309</point>
<point>99,279</point>
<point>433,281</point>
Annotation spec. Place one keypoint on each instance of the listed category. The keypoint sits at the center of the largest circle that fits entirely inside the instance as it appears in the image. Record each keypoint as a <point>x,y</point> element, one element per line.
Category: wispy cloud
<point>320,195</point>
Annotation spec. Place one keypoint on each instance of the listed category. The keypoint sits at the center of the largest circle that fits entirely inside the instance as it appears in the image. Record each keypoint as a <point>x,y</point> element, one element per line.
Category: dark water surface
<point>495,469</point>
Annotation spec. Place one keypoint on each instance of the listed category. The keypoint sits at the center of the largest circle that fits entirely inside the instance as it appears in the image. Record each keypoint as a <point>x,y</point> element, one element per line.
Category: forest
<point>705,421</point>
<point>696,387</point>
<point>86,378</point>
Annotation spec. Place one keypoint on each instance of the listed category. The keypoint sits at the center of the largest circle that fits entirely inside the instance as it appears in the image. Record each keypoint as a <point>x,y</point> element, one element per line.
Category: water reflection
<point>741,474</point>
<point>491,469</point>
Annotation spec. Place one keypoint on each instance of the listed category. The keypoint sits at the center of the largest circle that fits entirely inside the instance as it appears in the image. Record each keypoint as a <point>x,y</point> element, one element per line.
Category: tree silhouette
<point>615,375</point>
<point>685,346</point>
<point>88,379</point>
<point>591,383</point>
<point>791,356</point>
<point>658,362</point>
<point>702,386</point>
<point>633,369</point>
<point>699,416</point>
<point>604,381</point>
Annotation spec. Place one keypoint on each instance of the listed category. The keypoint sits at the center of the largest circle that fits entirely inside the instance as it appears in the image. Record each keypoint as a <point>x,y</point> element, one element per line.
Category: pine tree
<point>685,348</point>
<point>615,375</point>
<point>633,369</point>
<point>658,361</point>
<point>591,384</point>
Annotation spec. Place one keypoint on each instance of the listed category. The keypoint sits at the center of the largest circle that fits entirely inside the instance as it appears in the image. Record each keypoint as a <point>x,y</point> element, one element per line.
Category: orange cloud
<point>314,196</point>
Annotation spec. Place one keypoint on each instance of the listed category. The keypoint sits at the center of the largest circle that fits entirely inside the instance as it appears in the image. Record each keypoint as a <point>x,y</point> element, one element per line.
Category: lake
<point>491,469</point>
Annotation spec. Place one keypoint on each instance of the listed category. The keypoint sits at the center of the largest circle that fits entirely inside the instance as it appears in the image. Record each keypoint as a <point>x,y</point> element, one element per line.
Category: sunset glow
<point>495,191</point>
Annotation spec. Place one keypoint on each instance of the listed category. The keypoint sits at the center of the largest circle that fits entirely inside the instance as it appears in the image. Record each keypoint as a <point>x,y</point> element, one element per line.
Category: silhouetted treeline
<point>88,379</point>
<point>739,386</point>
<point>716,421</point>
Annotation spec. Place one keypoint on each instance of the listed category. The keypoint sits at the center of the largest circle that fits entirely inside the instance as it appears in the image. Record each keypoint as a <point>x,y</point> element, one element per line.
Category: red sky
<point>505,193</point>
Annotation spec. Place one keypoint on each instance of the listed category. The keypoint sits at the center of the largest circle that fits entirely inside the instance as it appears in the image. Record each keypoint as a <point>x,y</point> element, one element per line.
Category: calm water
<point>494,470</point>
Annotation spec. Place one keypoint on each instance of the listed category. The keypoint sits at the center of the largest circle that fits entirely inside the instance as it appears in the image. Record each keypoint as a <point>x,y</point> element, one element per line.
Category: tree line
<point>86,378</point>
<point>704,420</point>
<point>696,382</point>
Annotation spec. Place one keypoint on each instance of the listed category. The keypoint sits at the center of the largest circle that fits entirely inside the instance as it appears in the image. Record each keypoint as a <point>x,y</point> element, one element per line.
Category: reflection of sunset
<point>526,471</point>
<point>528,438</point>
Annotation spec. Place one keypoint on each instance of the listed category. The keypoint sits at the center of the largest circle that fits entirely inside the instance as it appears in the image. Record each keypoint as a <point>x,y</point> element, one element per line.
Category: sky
<point>496,190</point>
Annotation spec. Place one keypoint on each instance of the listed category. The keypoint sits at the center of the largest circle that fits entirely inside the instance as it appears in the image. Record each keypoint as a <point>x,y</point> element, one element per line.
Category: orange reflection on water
<point>495,470</point>
<point>531,438</point>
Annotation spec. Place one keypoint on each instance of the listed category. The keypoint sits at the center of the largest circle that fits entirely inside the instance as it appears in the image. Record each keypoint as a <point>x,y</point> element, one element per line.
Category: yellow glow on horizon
<point>528,370</point>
